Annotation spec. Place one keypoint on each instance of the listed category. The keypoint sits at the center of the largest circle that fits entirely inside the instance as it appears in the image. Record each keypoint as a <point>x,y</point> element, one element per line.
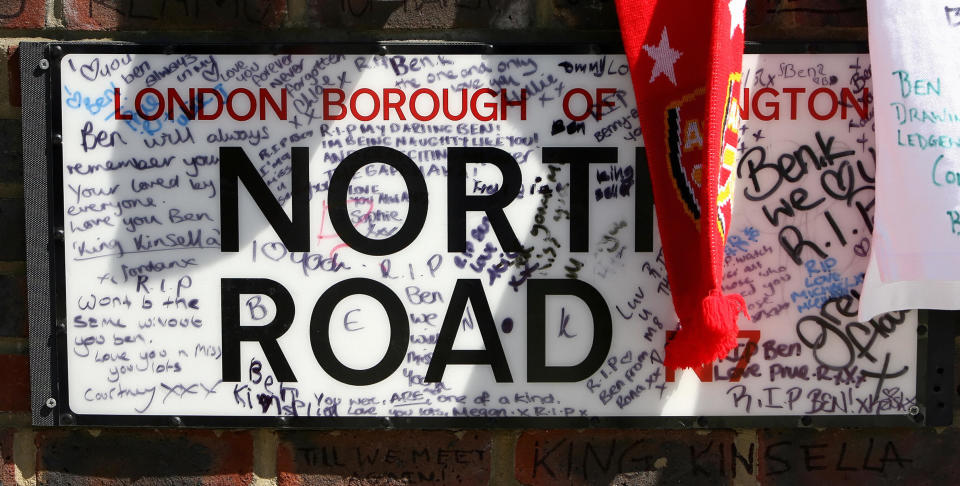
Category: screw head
<point>176,421</point>
<point>43,64</point>
<point>51,402</point>
<point>913,410</point>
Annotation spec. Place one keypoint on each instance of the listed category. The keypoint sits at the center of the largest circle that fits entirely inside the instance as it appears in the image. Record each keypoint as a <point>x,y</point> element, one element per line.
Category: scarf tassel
<point>710,335</point>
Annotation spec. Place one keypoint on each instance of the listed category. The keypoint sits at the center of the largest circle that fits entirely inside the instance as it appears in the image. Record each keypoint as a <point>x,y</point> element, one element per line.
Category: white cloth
<point>915,257</point>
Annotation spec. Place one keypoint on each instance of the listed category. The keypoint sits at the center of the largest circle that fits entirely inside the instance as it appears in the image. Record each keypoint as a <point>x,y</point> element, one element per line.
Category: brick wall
<point>534,457</point>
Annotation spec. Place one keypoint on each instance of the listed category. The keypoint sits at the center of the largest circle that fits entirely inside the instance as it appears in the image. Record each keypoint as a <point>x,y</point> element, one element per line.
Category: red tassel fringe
<point>710,335</point>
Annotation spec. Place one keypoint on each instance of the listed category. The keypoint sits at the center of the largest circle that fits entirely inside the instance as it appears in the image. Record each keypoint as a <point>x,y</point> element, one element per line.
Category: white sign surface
<point>460,235</point>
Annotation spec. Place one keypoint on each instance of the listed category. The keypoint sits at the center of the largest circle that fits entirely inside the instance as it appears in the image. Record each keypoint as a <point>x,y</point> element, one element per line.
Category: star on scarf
<point>736,15</point>
<point>665,57</point>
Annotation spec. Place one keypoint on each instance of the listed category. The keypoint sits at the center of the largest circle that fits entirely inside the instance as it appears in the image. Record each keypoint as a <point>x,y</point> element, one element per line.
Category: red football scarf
<point>685,59</point>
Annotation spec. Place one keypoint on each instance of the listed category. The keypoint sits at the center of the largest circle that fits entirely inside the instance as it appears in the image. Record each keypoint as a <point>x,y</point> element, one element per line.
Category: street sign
<point>435,238</point>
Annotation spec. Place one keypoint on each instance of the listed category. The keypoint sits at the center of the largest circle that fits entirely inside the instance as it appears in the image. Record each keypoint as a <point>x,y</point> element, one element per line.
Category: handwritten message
<point>451,235</point>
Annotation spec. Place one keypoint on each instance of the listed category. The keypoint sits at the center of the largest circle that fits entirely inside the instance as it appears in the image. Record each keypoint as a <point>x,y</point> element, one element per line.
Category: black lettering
<point>458,202</point>
<point>295,232</point>
<point>537,369</point>
<point>233,333</point>
<point>768,455</point>
<point>416,212</point>
<point>644,204</point>
<point>320,331</point>
<point>747,461</point>
<point>579,159</point>
<point>443,354</point>
<point>808,458</point>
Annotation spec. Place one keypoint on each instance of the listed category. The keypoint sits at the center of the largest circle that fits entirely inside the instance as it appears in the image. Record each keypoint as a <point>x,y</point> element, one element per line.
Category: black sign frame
<point>42,152</point>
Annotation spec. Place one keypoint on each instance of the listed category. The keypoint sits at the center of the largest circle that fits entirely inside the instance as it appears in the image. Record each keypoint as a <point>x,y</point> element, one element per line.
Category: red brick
<point>815,13</point>
<point>12,245</point>
<point>22,14</point>
<point>11,165</point>
<point>153,15</point>
<point>7,467</point>
<point>144,457</point>
<point>630,457</point>
<point>13,300</point>
<point>760,12</point>
<point>584,15</point>
<point>13,73</point>
<point>14,383</point>
<point>422,14</point>
<point>858,456</point>
<point>381,458</point>
<point>10,83</point>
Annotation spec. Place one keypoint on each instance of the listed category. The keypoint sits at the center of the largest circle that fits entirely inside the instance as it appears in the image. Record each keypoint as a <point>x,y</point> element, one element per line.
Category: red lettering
<point>175,99</point>
<point>793,100</point>
<point>267,99</point>
<point>601,101</point>
<point>396,105</point>
<point>116,106</point>
<point>505,102</point>
<point>811,103</point>
<point>705,372</point>
<point>436,104</point>
<point>200,114</point>
<point>327,102</point>
<point>353,104</point>
<point>745,113</point>
<point>775,114</point>
<point>492,105</point>
<point>463,106</point>
<point>252,102</point>
<point>139,100</point>
<point>848,98</point>
<point>566,104</point>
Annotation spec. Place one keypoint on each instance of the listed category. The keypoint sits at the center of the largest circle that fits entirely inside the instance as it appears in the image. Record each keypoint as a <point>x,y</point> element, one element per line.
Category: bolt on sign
<point>428,237</point>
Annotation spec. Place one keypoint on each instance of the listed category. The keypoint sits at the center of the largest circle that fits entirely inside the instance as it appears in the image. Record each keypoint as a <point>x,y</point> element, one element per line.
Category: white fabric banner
<point>915,262</point>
